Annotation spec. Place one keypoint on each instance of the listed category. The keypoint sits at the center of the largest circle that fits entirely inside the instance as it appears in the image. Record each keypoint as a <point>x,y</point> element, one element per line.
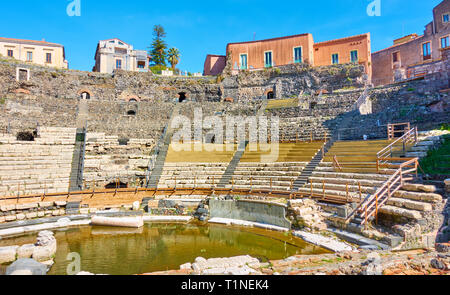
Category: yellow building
<point>36,52</point>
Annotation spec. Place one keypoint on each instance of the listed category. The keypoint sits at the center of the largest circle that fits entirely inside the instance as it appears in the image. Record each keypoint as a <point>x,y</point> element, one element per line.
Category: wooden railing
<point>392,130</point>
<point>336,165</point>
<point>386,154</point>
<point>118,195</point>
<point>371,205</point>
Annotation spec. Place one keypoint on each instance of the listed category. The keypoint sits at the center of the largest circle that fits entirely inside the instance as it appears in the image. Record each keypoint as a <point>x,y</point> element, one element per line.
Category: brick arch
<point>267,91</point>
<point>131,97</point>
<point>83,90</point>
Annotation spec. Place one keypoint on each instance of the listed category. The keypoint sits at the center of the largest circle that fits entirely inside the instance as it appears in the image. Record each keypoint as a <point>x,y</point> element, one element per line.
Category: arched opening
<point>270,95</point>
<point>26,136</point>
<point>114,185</point>
<point>133,100</point>
<point>131,113</point>
<point>85,95</point>
<point>182,96</point>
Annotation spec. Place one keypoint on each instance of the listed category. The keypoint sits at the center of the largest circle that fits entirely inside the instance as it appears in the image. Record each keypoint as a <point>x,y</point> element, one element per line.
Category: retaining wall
<point>262,212</point>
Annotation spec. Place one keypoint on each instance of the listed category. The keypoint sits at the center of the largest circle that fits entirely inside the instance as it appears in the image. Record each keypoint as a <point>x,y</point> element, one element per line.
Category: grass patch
<point>2,100</point>
<point>437,161</point>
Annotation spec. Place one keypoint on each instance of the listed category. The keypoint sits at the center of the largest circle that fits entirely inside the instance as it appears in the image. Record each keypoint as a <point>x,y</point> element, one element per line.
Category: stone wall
<point>291,80</point>
<point>37,167</point>
<point>107,161</point>
<point>262,212</point>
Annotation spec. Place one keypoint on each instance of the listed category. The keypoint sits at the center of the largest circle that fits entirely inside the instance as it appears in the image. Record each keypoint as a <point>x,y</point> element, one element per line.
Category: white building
<point>115,54</point>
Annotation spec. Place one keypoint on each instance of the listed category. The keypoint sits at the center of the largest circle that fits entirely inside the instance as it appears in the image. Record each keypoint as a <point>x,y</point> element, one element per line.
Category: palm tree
<point>173,56</point>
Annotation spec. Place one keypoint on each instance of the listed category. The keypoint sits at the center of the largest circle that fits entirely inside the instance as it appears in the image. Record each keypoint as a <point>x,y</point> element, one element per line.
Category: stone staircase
<point>155,173</point>
<point>312,165</point>
<point>76,173</point>
<point>226,177</point>
<point>426,142</point>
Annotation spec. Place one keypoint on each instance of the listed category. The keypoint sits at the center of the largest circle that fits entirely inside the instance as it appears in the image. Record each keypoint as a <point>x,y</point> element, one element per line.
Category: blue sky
<point>197,28</point>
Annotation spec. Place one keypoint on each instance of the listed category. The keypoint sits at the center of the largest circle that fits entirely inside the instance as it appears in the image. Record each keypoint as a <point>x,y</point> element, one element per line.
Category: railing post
<point>323,185</point>
<point>347,195</point>
<point>376,209</point>
<point>365,217</point>
<point>360,191</point>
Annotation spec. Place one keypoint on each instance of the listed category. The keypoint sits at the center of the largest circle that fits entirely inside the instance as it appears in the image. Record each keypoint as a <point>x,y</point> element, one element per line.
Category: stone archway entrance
<point>270,95</point>
<point>182,96</point>
<point>85,95</point>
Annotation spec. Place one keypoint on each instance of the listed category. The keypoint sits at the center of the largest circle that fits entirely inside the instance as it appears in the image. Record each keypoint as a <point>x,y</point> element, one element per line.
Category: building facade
<point>114,54</point>
<point>256,55</point>
<point>214,65</point>
<point>36,52</point>
<point>414,56</point>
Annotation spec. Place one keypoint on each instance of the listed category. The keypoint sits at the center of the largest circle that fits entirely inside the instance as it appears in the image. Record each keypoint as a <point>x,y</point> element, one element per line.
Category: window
<point>396,57</point>
<point>268,59</point>
<point>244,59</point>
<point>10,53</point>
<point>445,18</point>
<point>118,63</point>
<point>445,42</point>
<point>298,58</point>
<point>141,65</point>
<point>426,50</point>
<point>48,58</point>
<point>335,59</point>
<point>29,56</point>
<point>354,56</point>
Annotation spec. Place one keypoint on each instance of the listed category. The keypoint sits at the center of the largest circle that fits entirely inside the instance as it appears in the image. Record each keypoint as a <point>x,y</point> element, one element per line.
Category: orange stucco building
<point>414,56</point>
<point>287,50</point>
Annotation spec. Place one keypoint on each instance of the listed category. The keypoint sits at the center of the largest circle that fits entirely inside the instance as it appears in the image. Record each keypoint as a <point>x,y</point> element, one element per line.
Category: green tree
<point>173,56</point>
<point>159,46</point>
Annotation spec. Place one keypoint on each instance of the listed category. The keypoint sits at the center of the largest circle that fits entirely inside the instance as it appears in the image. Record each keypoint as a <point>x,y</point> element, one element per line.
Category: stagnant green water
<point>159,247</point>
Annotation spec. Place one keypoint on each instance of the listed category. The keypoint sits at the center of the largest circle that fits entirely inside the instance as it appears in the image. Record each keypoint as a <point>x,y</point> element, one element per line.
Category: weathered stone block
<point>8,254</point>
<point>25,251</point>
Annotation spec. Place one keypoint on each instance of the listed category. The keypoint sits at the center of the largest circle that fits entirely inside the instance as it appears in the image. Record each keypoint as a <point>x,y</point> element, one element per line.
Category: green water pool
<point>159,247</point>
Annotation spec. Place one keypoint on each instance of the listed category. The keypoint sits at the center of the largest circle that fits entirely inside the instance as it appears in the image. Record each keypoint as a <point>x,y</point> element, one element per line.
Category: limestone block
<point>420,206</point>
<point>25,251</point>
<point>26,267</point>
<point>419,188</point>
<point>20,216</point>
<point>9,218</point>
<point>8,254</point>
<point>45,247</point>
<point>45,204</point>
<point>417,196</point>
<point>31,215</point>
<point>6,208</point>
<point>2,219</point>
<point>60,203</point>
<point>391,210</point>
